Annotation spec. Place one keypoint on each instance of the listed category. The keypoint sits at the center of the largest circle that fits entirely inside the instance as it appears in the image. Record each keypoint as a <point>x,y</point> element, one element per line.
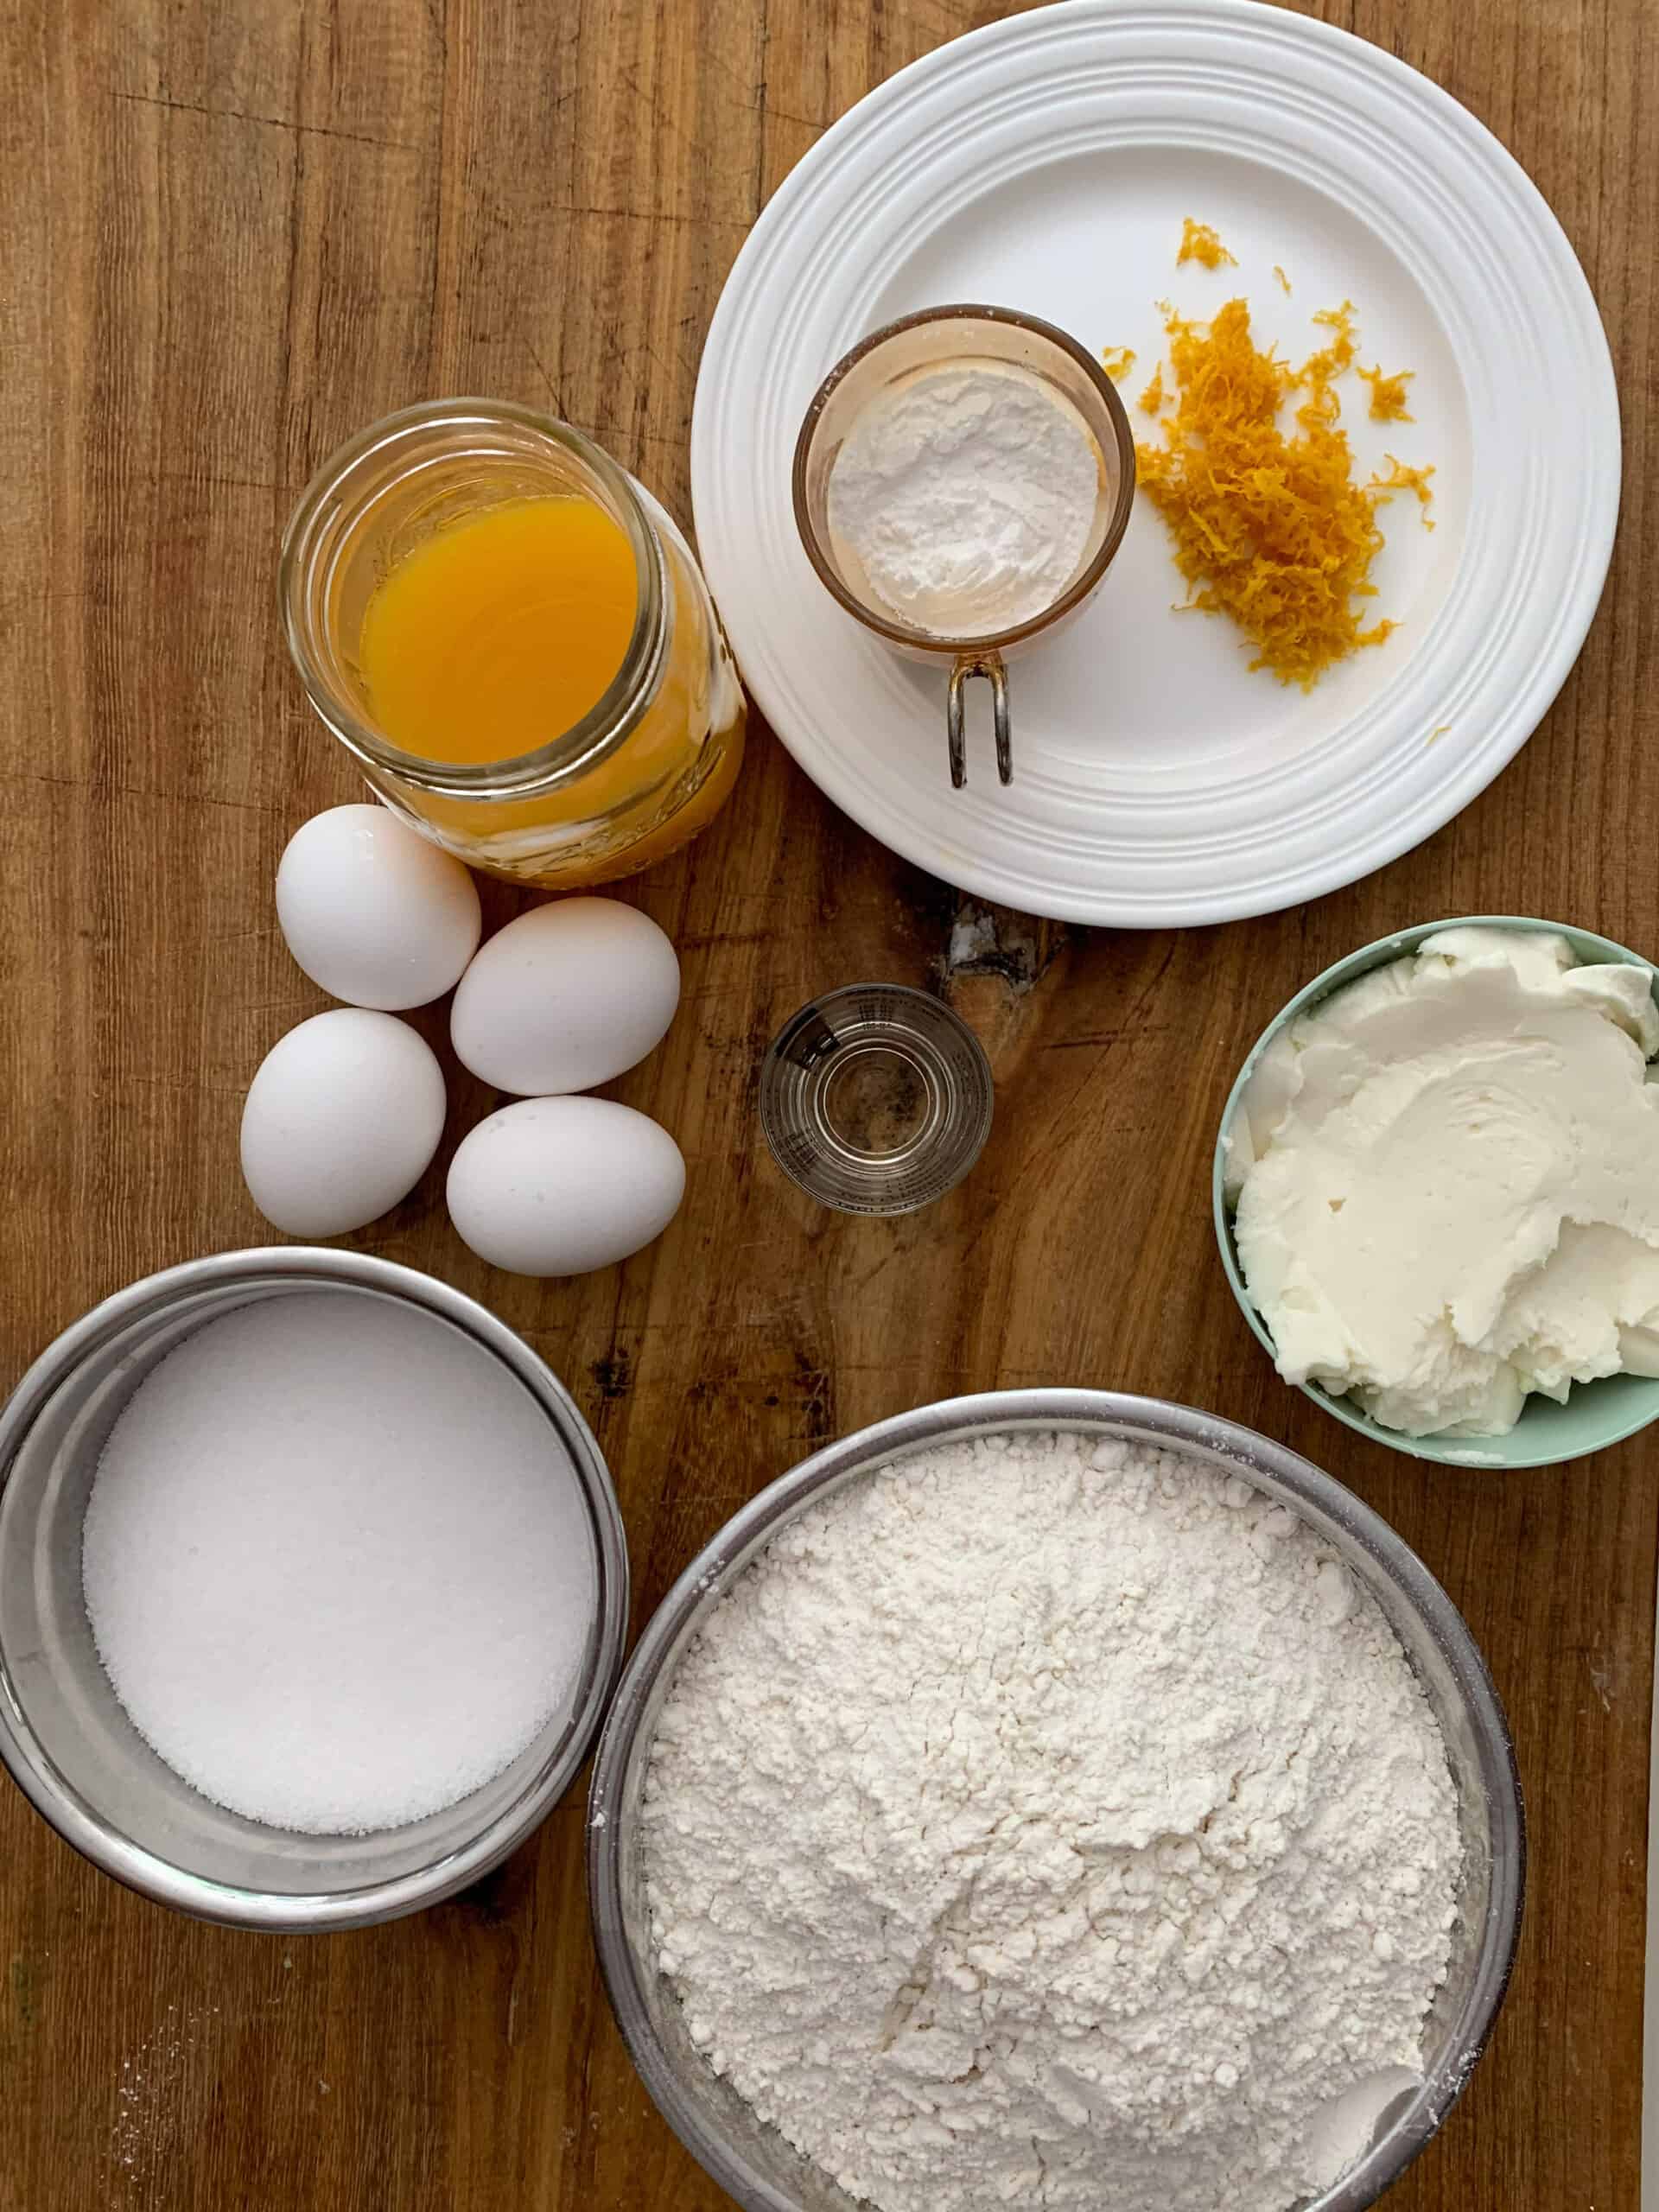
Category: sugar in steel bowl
<point>66,1739</point>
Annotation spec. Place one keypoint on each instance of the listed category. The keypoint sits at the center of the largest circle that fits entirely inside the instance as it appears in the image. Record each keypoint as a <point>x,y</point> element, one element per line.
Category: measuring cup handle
<point>990,666</point>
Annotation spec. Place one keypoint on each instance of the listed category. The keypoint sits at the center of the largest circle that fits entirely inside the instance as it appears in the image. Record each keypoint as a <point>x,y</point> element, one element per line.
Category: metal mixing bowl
<point>750,2160</point>
<point>66,1740</point>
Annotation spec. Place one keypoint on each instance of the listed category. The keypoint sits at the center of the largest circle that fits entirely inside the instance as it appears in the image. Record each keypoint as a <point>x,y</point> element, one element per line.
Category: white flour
<point>967,496</point>
<point>1052,1822</point>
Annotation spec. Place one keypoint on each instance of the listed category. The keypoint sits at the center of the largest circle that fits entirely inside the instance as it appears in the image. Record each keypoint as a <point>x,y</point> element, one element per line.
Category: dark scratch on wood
<point>788,115</point>
<point>270,122</point>
<point>603,430</point>
<point>655,215</point>
<point>757,96</point>
<point>91,788</point>
<point>553,391</point>
<point>759,192</point>
<point>218,482</point>
<point>1098,1039</point>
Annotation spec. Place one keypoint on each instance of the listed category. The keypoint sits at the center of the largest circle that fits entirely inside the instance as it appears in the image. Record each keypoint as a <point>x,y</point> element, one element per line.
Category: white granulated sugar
<point>1052,1822</point>
<point>966,495</point>
<point>334,1566</point>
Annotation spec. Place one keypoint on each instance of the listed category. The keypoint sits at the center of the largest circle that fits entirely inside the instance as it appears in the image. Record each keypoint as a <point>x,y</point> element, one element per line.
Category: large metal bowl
<point>71,1747</point>
<point>751,2161</point>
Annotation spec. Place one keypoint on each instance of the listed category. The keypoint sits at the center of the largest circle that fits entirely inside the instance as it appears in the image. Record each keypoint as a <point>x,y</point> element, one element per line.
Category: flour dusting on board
<point>151,2092</point>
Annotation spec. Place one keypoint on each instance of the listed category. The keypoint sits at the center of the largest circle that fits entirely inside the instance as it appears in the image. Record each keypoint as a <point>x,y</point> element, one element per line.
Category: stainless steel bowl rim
<point>80,1824</point>
<point>1323,1500</point>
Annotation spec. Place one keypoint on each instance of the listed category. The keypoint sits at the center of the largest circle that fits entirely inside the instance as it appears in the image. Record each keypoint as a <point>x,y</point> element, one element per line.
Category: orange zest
<point>1387,395</point>
<point>1199,243</point>
<point>1117,361</point>
<point>1269,526</point>
<point>1403,476</point>
<point>1153,398</point>
<point>1320,370</point>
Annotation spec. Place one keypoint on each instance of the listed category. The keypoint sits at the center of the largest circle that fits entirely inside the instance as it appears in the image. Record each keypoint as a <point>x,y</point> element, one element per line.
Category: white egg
<point>341,1122</point>
<point>373,912</point>
<point>556,1187</point>
<point>566,997</point>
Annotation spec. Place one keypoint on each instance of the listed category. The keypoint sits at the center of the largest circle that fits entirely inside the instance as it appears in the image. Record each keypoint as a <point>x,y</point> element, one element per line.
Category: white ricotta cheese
<point>1446,1179</point>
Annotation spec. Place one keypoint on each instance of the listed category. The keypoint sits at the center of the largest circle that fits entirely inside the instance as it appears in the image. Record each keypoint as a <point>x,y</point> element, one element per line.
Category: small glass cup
<point>875,1099</point>
<point>644,771</point>
<point>959,337</point>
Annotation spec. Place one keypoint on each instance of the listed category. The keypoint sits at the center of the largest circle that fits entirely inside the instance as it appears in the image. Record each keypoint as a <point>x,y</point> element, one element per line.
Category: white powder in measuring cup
<point>967,496</point>
<point>1050,1820</point>
<point>335,1566</point>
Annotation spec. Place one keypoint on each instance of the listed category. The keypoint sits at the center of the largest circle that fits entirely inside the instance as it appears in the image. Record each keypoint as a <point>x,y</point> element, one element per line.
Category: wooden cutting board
<point>234,233</point>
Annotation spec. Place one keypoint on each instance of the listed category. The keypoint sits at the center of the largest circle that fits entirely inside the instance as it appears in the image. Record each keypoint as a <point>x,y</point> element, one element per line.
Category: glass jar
<point>645,769</point>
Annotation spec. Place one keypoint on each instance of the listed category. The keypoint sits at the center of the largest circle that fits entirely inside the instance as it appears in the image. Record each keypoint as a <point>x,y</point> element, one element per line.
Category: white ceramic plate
<point>1046,163</point>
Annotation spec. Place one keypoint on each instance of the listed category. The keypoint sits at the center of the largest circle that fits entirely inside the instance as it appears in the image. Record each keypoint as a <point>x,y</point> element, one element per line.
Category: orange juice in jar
<point>514,640</point>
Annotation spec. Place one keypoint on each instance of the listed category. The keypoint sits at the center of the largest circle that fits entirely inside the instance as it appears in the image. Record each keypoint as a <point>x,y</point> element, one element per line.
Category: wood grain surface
<point>233,233</point>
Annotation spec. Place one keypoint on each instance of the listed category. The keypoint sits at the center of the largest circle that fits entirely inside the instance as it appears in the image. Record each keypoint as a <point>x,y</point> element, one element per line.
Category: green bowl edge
<point>1547,1434</point>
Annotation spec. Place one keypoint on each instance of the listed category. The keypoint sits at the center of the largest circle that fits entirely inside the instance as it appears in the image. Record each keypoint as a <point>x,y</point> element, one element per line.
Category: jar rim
<point>307,540</point>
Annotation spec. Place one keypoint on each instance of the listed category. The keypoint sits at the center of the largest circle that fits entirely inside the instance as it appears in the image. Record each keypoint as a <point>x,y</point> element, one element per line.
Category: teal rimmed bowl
<point>1596,1415</point>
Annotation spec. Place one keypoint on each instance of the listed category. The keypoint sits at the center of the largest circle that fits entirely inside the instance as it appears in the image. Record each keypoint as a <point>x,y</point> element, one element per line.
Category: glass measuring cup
<point>960,337</point>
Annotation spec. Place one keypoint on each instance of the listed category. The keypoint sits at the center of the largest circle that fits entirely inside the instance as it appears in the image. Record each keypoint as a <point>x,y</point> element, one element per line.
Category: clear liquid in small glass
<point>875,1099</point>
